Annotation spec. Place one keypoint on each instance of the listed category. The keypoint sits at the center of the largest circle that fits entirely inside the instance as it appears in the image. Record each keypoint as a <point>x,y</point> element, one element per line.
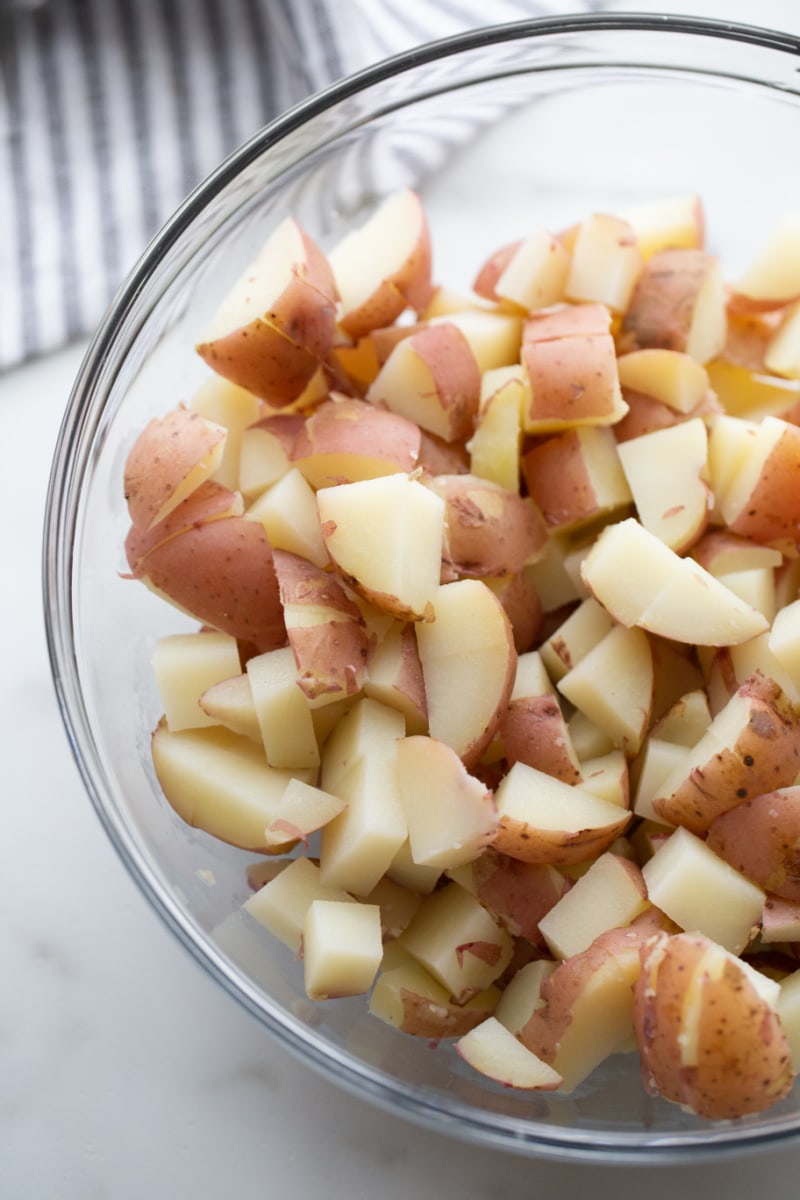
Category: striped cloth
<point>112,110</point>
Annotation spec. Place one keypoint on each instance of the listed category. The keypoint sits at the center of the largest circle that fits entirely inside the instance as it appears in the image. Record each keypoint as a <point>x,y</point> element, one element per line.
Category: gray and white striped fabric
<point>112,110</point>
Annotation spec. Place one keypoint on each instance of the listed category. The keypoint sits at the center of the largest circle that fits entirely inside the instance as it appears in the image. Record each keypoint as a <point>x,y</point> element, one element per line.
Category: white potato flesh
<point>468,664</point>
<point>606,262</point>
<point>185,666</point>
<point>342,948</point>
<point>613,685</point>
<point>282,903</point>
<point>667,375</point>
<point>546,820</point>
<point>668,595</point>
<point>450,815</point>
<point>284,716</point>
<point>666,472</point>
<point>575,637</point>
<point>385,535</point>
<point>537,272</point>
<point>523,995</point>
<point>219,782</point>
<point>458,941</point>
<point>357,847</point>
<point>773,274</point>
<point>492,1050</point>
<point>288,512</point>
<point>301,810</point>
<point>700,892</point>
<point>610,895</point>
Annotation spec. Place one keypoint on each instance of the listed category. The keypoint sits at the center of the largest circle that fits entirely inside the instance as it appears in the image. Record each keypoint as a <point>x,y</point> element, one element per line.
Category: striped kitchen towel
<point>112,110</point>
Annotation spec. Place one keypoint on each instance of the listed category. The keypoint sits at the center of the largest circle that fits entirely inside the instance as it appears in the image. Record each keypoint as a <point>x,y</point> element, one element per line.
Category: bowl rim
<point>77,428</point>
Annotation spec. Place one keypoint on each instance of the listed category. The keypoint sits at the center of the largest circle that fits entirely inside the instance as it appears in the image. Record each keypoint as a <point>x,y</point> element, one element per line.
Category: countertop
<point>125,1072</point>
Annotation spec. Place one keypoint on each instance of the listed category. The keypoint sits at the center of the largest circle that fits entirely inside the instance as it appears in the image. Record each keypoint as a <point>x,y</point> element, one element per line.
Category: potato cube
<point>186,665</point>
<point>700,892</point>
<point>342,948</point>
<point>281,905</point>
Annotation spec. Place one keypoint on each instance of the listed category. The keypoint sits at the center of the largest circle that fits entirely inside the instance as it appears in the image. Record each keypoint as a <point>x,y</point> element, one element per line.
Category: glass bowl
<point>500,130</point>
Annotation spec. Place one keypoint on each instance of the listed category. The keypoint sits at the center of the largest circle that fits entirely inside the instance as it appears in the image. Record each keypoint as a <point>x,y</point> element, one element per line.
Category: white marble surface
<point>124,1071</point>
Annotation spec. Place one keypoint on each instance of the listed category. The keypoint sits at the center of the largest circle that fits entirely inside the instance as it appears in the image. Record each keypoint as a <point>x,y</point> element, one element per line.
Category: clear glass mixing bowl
<point>500,130</point>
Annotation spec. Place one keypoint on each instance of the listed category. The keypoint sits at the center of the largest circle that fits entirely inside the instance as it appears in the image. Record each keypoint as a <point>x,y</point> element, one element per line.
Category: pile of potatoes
<point>496,658</point>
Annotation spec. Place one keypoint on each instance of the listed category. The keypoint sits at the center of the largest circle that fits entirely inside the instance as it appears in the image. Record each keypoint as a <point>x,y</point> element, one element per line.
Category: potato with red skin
<point>566,320</point>
<point>394,676</point>
<point>433,379</point>
<point>438,457</point>
<point>345,439</point>
<point>489,273</point>
<point>575,476</point>
<point>752,746</point>
<point>707,1039</point>
<point>573,381</point>
<point>646,414</point>
<point>762,504</point>
<point>326,630</point>
<point>277,323</point>
<point>678,303</point>
<point>518,893</point>
<point>409,998</point>
<point>489,531</point>
<point>209,502</point>
<point>222,573</point>
<point>533,731</point>
<point>171,457</point>
<point>545,820</point>
<point>522,606</point>
<point>761,839</point>
<point>565,1031</point>
<point>384,266</point>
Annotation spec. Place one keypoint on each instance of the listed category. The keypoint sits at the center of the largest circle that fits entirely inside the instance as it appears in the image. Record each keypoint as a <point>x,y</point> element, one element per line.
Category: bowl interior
<point>534,125</point>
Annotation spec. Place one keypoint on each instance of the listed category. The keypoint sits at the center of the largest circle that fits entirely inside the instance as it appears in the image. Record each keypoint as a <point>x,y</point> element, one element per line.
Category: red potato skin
<point>766,756</point>
<point>558,481</point>
<point>486,280</point>
<point>519,894</point>
<point>772,510</point>
<point>572,378</point>
<point>715,545</point>
<point>646,414</point>
<point>760,838</point>
<point>331,655</point>
<point>567,320</point>
<point>355,427</point>
<point>437,457</point>
<point>546,1026</point>
<point>662,306</point>
<point>556,847</point>
<point>210,502</point>
<point>748,337</point>
<point>275,354</point>
<point>523,608</point>
<point>534,732</point>
<point>744,1063</point>
<point>262,359</point>
<point>384,340</point>
<point>409,286</point>
<point>409,679</point>
<point>489,531</point>
<point>222,573</point>
<point>455,373</point>
<point>165,452</point>
<point>283,426</point>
